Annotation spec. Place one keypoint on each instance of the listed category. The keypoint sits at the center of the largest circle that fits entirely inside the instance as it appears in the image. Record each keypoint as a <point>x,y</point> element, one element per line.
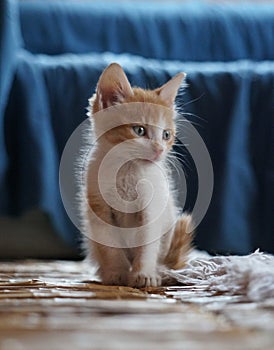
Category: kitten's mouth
<point>151,157</point>
<point>154,158</point>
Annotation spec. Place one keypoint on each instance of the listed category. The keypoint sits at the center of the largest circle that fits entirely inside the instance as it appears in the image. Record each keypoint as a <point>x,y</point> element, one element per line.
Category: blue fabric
<point>194,31</point>
<point>9,44</point>
<point>43,99</point>
<point>222,92</point>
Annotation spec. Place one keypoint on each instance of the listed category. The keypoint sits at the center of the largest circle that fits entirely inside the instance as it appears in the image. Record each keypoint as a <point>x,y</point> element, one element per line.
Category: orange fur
<point>116,263</point>
<point>139,95</point>
<point>181,243</point>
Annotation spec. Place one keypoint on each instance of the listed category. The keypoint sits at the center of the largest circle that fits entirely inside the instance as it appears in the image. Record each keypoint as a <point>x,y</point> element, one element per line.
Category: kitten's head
<point>144,117</point>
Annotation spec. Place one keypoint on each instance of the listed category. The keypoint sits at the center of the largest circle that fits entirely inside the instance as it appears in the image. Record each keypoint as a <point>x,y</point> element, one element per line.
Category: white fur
<point>133,234</point>
<point>137,265</point>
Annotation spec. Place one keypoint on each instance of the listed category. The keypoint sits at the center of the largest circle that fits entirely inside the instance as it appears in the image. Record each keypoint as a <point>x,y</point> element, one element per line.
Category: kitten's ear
<point>113,86</point>
<point>168,91</point>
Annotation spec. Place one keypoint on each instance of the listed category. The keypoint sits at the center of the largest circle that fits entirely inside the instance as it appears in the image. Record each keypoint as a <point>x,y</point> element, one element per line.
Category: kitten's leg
<point>113,264</point>
<point>144,266</point>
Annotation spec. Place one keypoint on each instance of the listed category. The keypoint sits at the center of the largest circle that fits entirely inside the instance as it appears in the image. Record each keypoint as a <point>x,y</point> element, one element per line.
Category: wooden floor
<point>58,305</point>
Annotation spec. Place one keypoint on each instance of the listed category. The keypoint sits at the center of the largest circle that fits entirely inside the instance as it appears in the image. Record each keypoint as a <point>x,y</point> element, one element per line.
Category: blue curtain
<point>231,104</point>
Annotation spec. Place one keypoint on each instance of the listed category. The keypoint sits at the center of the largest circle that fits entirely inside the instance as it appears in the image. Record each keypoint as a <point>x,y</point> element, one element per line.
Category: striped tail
<point>181,243</point>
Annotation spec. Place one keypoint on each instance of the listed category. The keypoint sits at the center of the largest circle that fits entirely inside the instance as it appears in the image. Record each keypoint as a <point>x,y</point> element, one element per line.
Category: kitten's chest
<point>137,182</point>
<point>127,186</point>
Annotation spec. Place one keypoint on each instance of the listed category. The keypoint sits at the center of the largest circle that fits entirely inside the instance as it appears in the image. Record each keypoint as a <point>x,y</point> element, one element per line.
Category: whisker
<point>194,115</point>
<point>180,157</point>
<point>174,165</point>
<point>175,160</point>
<point>187,125</point>
<point>200,121</point>
<point>180,144</point>
<point>191,101</point>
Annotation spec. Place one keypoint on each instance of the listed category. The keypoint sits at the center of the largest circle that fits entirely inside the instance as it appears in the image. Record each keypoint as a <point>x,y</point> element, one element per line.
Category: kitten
<point>135,230</point>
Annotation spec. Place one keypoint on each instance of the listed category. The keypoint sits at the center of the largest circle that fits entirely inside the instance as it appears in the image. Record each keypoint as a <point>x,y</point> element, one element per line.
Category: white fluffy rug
<point>251,276</point>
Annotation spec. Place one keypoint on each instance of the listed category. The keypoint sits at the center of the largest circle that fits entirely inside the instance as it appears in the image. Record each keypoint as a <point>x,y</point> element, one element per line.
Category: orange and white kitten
<point>134,129</point>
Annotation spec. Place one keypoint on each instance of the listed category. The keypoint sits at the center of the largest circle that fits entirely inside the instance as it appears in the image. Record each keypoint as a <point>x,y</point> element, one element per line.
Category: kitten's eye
<point>139,130</point>
<point>166,134</point>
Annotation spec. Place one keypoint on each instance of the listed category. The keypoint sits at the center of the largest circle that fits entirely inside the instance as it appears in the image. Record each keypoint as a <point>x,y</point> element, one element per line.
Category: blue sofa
<point>52,54</point>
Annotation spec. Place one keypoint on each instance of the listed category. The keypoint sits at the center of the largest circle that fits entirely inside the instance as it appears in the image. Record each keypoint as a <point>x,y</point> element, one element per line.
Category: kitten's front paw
<point>143,279</point>
<point>115,278</point>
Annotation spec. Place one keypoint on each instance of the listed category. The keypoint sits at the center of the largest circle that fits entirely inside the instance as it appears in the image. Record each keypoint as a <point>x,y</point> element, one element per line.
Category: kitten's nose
<point>157,147</point>
<point>158,150</point>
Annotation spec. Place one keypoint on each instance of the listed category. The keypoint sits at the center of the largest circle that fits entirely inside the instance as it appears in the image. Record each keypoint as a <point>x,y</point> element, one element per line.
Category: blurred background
<point>51,56</point>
